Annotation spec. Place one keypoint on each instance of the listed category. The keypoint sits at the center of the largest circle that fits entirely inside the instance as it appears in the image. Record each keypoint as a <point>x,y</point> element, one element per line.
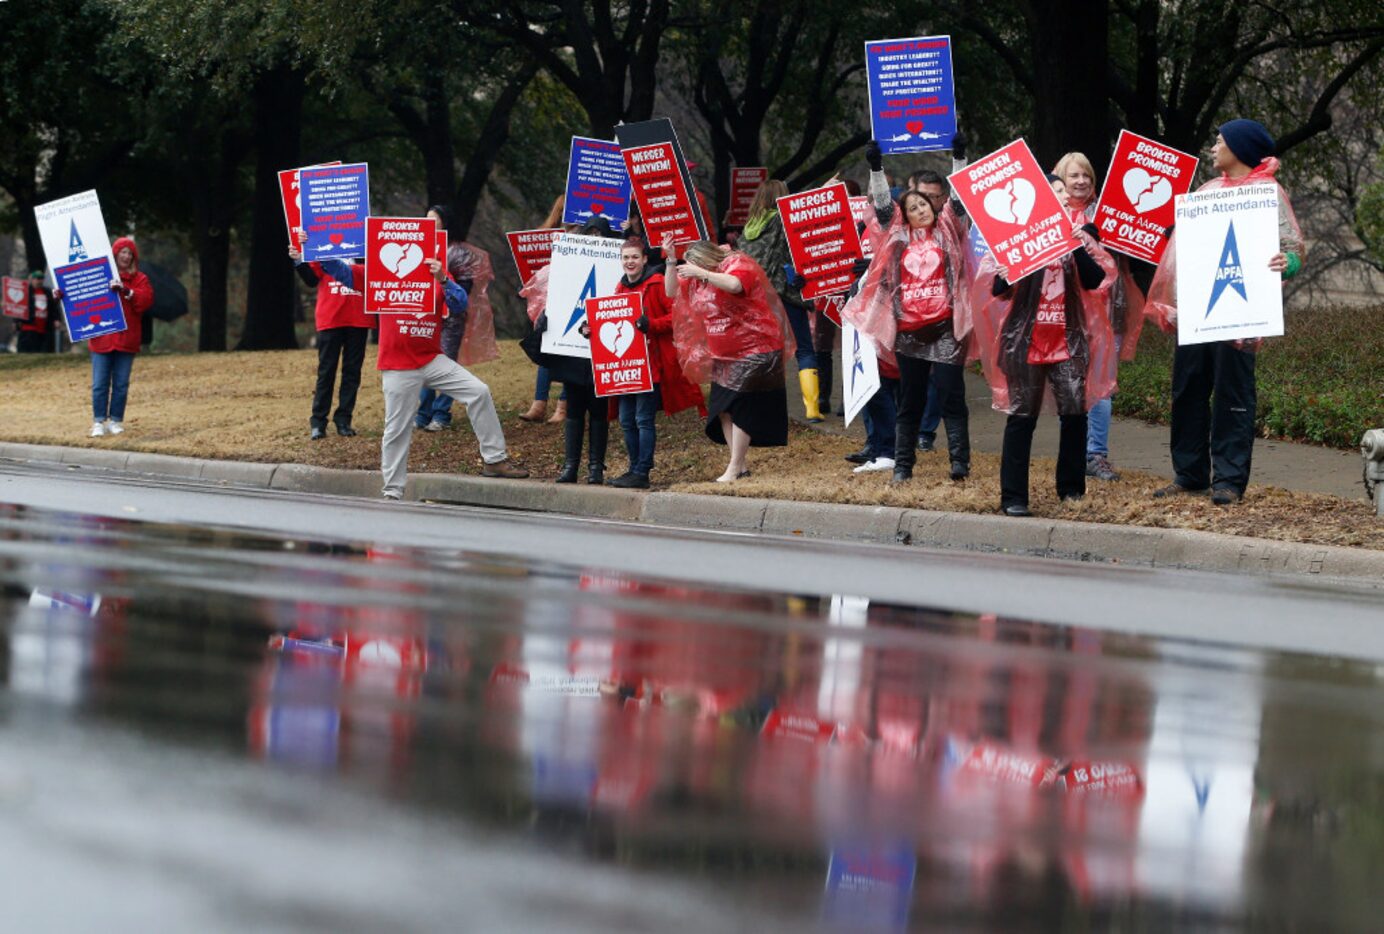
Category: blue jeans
<point>110,384</point>
<point>880,414</point>
<point>806,355</point>
<point>932,412</point>
<point>1098,429</point>
<point>543,383</point>
<point>637,413</point>
<point>433,406</point>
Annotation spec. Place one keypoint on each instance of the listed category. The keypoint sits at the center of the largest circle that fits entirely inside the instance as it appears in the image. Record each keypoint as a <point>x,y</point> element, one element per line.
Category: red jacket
<point>337,305</point>
<point>678,391</point>
<point>41,310</point>
<point>135,304</point>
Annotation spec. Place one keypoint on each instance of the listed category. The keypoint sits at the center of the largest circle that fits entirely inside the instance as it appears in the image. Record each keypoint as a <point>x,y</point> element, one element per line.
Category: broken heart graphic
<point>914,126</point>
<point>1146,191</point>
<point>16,293</point>
<point>400,259</point>
<point>1012,203</point>
<point>617,336</point>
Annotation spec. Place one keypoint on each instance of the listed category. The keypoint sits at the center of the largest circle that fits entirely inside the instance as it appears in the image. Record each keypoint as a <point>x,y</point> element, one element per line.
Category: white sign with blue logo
<point>859,369</point>
<point>1224,240</point>
<point>582,268</point>
<point>73,230</point>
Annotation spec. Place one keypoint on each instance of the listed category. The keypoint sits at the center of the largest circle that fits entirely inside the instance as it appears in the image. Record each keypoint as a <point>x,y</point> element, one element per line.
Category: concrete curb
<point>1044,538</point>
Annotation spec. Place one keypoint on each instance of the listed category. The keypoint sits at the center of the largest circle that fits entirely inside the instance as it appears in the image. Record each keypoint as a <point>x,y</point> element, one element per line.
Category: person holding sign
<point>764,240</point>
<point>672,391</point>
<point>38,324</point>
<point>343,330</point>
<point>1214,393</point>
<point>1047,333</point>
<point>113,355</point>
<point>729,328</point>
<point>914,300</point>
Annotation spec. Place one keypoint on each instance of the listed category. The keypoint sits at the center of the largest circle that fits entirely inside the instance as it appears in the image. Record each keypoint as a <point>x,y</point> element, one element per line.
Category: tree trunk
<point>278,103</point>
<point>33,244</point>
<point>1071,86</point>
<point>438,157</point>
<point>494,134</point>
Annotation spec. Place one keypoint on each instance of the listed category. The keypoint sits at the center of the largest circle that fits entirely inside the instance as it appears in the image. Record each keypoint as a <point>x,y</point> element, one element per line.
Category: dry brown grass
<point>254,406</point>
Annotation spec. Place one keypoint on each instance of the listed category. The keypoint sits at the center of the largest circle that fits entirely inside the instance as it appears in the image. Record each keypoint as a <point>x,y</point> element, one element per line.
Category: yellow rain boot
<point>807,379</point>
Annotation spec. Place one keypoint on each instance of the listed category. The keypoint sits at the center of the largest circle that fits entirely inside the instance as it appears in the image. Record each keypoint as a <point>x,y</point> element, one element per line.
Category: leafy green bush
<point>1323,382</point>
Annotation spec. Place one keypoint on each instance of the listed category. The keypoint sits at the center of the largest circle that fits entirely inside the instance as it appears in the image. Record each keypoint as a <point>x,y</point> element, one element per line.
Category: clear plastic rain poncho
<point>734,340</point>
<point>466,261</point>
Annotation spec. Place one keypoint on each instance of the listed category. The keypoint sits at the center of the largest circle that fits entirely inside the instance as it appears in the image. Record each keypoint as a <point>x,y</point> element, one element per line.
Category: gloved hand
<point>874,157</point>
<point>859,267</point>
<point>541,324</point>
<point>1169,231</point>
<point>791,276</point>
<point>641,324</point>
<point>959,145</point>
<point>1091,231</point>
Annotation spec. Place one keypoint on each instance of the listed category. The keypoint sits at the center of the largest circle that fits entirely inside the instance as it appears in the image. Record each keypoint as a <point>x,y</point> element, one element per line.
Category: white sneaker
<point>393,495</point>
<point>97,429</point>
<point>114,428</point>
<point>434,426</point>
<point>879,463</point>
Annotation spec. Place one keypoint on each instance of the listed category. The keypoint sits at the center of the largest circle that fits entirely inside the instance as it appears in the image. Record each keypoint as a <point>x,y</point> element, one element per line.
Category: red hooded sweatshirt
<point>136,299</point>
<point>337,305</point>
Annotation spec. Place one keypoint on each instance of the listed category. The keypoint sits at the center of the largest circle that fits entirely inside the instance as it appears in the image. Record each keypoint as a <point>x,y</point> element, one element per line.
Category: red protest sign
<point>14,298</point>
<point>397,281</point>
<point>744,185</point>
<point>532,249</point>
<point>1012,204</point>
<point>40,306</point>
<point>293,207</point>
<point>1136,202</point>
<point>831,307</point>
<point>440,249</point>
<point>664,201</point>
<point>619,350</point>
<point>863,212</point>
<point>820,228</point>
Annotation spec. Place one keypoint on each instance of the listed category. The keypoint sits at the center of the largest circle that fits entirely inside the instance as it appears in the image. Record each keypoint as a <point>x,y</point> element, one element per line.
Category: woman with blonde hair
<point>764,241</point>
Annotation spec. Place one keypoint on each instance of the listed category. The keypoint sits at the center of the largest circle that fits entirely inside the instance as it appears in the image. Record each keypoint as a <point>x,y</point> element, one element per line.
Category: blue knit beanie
<point>1249,140</point>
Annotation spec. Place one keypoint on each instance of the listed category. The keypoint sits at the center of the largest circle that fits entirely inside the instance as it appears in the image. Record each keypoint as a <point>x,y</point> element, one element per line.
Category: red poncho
<point>466,261</point>
<point>712,326</point>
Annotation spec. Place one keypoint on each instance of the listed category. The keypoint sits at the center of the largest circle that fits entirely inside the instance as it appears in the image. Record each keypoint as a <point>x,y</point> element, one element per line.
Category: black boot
<point>595,465</point>
<point>825,372</point>
<point>959,447</point>
<point>571,450</point>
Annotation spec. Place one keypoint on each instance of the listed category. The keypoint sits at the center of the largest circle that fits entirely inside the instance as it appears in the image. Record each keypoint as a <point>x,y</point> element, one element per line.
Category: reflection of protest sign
<point>397,280</point>
<point>619,350</point>
<point>597,185</point>
<point>869,888</point>
<point>89,306</point>
<point>859,369</point>
<point>582,268</point>
<point>1009,198</point>
<point>1225,289</point>
<point>14,298</point>
<point>72,230</point>
<point>289,192</point>
<point>335,203</point>
<point>912,103</point>
<point>663,188</point>
<point>532,249</point>
<point>1136,202</point>
<point>744,184</point>
<point>820,228</point>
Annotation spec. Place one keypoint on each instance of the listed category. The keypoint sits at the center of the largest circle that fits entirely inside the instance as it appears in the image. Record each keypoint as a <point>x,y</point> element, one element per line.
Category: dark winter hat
<point>598,226</point>
<point>1249,140</point>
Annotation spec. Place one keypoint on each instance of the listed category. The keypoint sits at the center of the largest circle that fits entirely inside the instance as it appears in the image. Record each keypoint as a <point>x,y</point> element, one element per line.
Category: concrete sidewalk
<point>886,525</point>
<point>1137,445</point>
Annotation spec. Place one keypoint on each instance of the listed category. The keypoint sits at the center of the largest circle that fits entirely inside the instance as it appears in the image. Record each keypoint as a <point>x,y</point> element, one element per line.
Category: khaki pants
<point>401,402</point>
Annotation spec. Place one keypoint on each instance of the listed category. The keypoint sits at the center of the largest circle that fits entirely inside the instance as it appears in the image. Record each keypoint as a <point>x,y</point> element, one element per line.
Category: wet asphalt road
<point>228,710</point>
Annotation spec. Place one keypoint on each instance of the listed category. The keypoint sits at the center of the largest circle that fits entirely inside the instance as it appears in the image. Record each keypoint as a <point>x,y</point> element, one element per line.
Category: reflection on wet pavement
<point>813,758</point>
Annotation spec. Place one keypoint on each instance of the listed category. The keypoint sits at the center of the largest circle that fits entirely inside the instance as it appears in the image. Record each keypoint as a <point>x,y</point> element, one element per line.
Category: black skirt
<point>759,407</point>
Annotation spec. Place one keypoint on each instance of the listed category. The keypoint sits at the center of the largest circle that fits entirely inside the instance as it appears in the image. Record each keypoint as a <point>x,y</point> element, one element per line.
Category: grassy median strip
<point>255,406</point>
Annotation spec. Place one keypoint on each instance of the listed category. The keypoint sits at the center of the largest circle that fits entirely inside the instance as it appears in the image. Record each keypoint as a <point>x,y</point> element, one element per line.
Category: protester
<point>410,357</point>
<point>880,416</point>
<point>1049,329</point>
<point>1125,310</point>
<point>914,301</point>
<point>1214,392</point>
<point>672,391</point>
<point>543,380</point>
<point>113,355</point>
<point>39,324</point>
<point>343,330</point>
<point>937,190</point>
<point>729,328</point>
<point>434,409</point>
<point>765,241</point>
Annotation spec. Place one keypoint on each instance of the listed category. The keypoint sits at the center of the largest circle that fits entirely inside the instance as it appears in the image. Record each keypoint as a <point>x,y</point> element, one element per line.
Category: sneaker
<point>1016,511</point>
<point>1225,496</point>
<point>97,430</point>
<point>631,481</point>
<point>114,428</point>
<point>1099,466</point>
<point>879,463</point>
<point>927,443</point>
<point>860,457</point>
<point>317,434</point>
<point>505,468</point>
<point>434,425</point>
<point>346,431</point>
<point>393,495</point>
<point>1175,489</point>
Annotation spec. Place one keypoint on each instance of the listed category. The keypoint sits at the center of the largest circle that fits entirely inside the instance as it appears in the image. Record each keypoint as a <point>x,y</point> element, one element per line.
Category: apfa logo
<point>1229,272</point>
<point>859,366</point>
<point>579,310</point>
<point>76,250</point>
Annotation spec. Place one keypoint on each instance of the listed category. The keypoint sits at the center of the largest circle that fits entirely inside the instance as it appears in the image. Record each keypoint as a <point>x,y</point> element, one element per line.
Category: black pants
<point>1213,416</point>
<point>347,345</point>
<point>1018,451</point>
<point>33,342</point>
<point>951,395</point>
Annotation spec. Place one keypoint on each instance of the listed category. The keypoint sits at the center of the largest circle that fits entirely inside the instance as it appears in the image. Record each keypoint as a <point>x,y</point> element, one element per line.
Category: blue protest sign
<point>912,102</point>
<point>89,307</point>
<point>336,201</point>
<point>597,183</point>
<point>870,887</point>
